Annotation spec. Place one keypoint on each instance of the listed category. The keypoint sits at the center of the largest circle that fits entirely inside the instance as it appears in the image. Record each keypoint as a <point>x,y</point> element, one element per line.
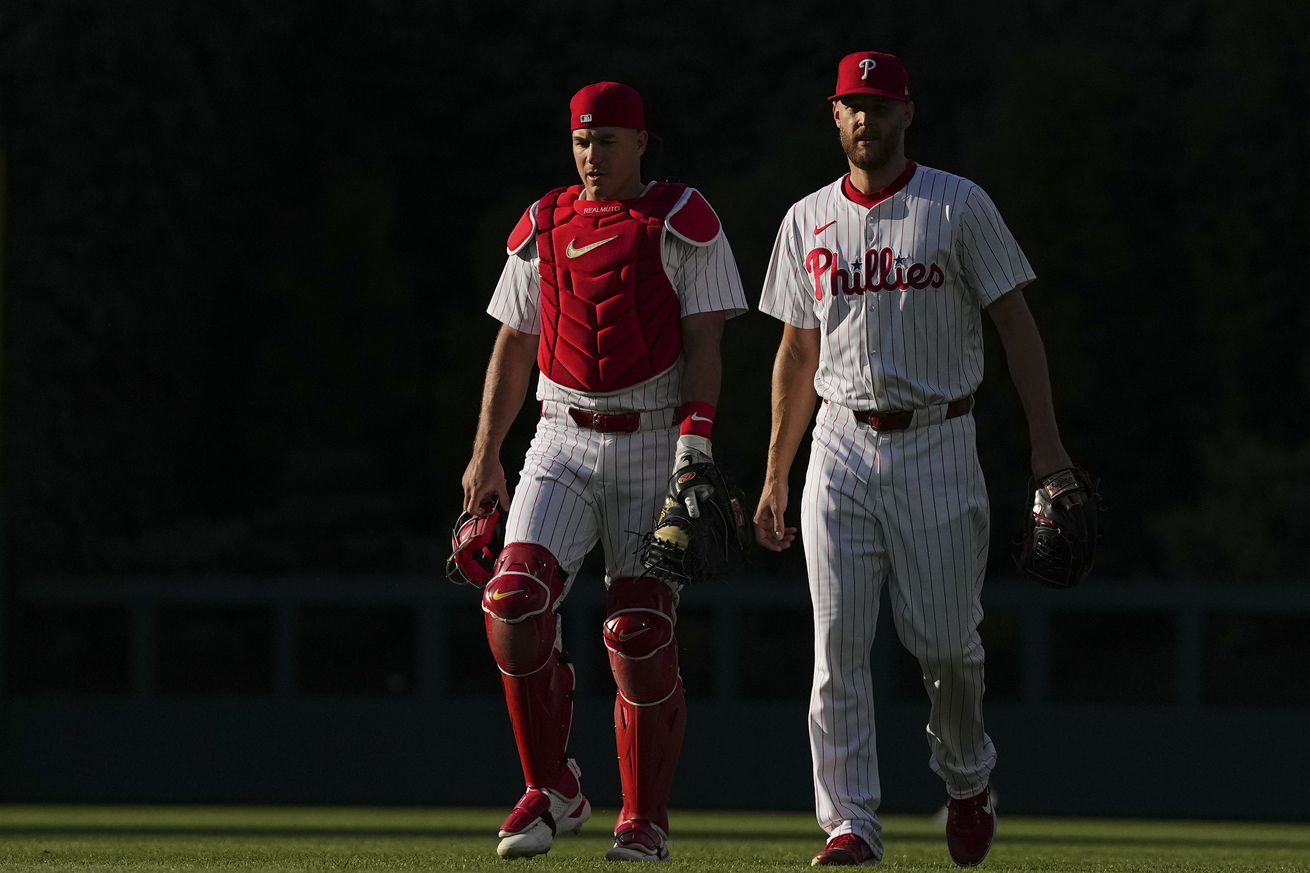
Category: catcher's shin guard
<point>519,605</point>
<point>650,711</point>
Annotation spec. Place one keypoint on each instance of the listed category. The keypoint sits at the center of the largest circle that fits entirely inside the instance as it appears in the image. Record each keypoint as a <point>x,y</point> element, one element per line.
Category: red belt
<point>901,420</point>
<point>607,422</point>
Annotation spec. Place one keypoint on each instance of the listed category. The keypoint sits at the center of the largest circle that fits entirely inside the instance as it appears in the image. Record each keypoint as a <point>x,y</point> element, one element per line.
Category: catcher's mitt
<point>1059,542</point>
<point>682,549</point>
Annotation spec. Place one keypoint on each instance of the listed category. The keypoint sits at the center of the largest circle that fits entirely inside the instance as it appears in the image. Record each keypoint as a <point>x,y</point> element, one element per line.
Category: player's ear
<point>909,113</point>
<point>643,140</point>
<point>836,112</point>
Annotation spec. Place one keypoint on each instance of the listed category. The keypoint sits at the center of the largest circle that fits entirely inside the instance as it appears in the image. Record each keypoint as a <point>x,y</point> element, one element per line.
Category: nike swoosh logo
<point>501,595</point>
<point>695,416</point>
<point>623,638</point>
<point>571,252</point>
<point>818,230</point>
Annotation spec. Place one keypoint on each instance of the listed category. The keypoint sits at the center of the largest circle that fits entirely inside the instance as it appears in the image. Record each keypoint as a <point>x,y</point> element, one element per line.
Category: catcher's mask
<point>475,543</point>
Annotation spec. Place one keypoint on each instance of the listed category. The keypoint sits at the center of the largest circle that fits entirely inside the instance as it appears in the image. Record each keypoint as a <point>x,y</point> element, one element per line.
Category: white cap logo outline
<point>584,118</point>
<point>867,66</point>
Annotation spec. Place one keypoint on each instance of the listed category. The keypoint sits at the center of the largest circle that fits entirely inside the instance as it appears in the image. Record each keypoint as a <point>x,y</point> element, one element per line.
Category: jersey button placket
<point>871,327</point>
<point>870,242</point>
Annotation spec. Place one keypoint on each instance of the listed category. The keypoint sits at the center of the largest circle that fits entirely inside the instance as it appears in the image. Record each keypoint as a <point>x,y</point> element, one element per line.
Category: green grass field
<point>49,838</point>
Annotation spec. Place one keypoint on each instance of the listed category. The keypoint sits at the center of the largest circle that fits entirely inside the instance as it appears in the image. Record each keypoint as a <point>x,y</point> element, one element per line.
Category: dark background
<point>248,248</point>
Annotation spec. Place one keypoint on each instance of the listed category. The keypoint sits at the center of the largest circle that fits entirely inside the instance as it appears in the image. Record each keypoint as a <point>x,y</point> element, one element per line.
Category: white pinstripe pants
<point>910,508</point>
<point>579,487</point>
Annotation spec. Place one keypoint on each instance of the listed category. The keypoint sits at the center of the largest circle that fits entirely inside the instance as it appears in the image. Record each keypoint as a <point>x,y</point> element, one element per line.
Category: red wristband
<point>697,419</point>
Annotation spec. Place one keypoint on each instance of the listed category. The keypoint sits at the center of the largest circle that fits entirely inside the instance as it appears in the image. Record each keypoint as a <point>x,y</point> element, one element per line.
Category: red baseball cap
<point>872,73</point>
<point>607,104</point>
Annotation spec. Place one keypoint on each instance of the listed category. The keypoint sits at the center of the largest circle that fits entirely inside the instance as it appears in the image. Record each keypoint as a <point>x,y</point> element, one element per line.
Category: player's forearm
<point>702,376</point>
<point>1025,357</point>
<point>508,375</point>
<point>1028,371</point>
<point>794,398</point>
<point>702,364</point>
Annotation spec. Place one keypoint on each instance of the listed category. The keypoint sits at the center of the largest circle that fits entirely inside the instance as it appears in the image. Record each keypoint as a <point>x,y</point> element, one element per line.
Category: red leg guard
<point>541,713</point>
<point>650,742</point>
<point>519,605</point>
<point>639,636</point>
<point>650,711</point>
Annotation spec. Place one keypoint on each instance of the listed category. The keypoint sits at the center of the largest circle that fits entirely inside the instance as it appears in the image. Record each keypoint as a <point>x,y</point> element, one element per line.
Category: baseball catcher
<point>701,532</point>
<point>617,291</point>
<point>1059,543</point>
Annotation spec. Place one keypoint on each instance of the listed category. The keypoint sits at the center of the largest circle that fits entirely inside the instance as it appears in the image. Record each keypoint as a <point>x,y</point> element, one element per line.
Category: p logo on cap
<point>876,73</point>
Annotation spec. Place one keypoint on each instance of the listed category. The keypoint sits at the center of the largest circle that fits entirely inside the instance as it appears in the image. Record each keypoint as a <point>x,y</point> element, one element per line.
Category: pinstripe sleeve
<point>990,258</point>
<point>786,294</point>
<point>705,277</point>
<point>516,300</point>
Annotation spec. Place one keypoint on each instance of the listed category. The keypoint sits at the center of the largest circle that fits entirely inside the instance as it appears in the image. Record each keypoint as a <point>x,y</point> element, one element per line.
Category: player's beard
<point>877,153</point>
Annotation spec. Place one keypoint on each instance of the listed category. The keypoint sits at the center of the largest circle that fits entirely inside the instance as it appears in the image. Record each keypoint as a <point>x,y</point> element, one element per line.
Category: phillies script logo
<point>882,271</point>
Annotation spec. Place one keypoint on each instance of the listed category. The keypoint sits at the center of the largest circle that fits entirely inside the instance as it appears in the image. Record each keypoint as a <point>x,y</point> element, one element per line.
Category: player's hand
<point>484,480</point>
<point>771,529</point>
<point>693,450</point>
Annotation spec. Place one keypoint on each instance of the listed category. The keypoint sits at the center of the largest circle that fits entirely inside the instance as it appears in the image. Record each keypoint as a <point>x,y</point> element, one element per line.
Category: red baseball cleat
<point>639,840</point>
<point>970,827</point>
<point>535,821</point>
<point>846,850</point>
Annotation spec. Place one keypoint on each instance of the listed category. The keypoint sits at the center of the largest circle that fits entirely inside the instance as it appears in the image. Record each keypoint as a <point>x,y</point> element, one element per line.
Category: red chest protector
<point>610,317</point>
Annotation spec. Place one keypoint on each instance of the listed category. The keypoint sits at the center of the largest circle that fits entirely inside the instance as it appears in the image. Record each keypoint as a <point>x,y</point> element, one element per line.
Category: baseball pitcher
<point>880,279</point>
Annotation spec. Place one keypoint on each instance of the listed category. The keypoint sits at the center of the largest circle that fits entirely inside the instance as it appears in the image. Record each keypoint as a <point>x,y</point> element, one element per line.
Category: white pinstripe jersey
<point>704,277</point>
<point>898,289</point>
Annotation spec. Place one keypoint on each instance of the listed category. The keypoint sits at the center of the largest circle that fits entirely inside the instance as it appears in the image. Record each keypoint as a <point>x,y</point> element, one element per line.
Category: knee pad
<point>640,638</point>
<point>519,605</point>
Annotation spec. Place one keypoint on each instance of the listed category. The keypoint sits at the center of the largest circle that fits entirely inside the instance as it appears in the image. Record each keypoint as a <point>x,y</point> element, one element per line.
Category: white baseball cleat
<point>638,840</point>
<point>538,817</point>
